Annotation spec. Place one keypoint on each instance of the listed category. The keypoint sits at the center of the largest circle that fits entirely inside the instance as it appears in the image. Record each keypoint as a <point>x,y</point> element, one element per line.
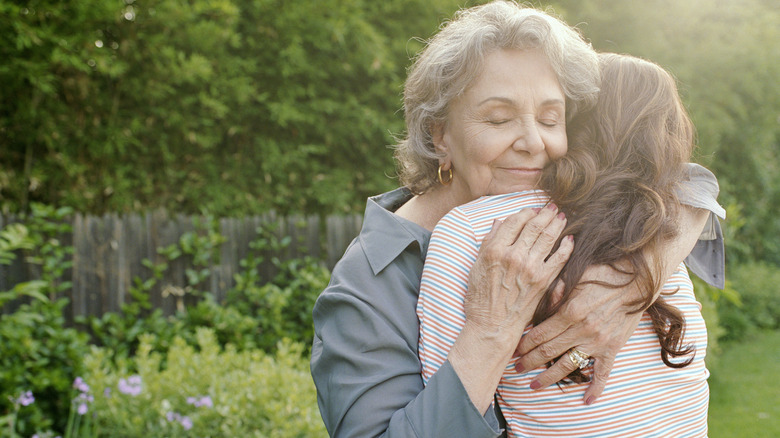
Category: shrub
<point>255,314</point>
<point>203,391</point>
<point>40,355</point>
<point>759,305</point>
<point>37,352</point>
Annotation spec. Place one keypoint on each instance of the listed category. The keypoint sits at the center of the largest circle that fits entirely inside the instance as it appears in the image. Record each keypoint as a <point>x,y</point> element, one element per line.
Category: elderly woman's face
<point>503,130</point>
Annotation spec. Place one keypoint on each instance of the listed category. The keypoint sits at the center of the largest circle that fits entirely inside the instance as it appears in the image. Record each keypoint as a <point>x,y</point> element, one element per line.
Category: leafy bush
<point>255,314</point>
<point>203,391</point>
<point>37,352</point>
<point>282,308</point>
<point>759,305</point>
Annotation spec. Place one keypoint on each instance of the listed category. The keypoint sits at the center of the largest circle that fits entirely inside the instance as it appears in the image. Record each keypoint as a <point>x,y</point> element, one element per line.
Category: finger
<point>560,369</point>
<point>535,226</point>
<point>510,228</point>
<point>558,259</point>
<point>548,235</point>
<point>543,333</point>
<point>549,350</point>
<point>601,370</point>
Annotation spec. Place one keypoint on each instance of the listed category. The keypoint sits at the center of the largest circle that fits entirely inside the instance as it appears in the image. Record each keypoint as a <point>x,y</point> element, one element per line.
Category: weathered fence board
<point>109,250</point>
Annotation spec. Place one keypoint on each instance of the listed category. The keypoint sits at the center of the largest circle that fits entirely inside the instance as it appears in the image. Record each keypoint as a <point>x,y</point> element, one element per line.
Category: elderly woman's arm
<point>364,359</point>
<point>598,320</point>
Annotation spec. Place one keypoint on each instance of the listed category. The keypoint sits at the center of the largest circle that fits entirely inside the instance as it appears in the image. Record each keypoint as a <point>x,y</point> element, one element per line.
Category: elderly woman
<point>364,358</point>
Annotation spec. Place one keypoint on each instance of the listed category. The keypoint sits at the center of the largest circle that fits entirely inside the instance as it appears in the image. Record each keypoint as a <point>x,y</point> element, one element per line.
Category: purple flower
<point>80,384</point>
<point>202,401</point>
<point>83,400</point>
<point>184,420</point>
<point>25,399</point>
<point>107,392</point>
<point>131,385</point>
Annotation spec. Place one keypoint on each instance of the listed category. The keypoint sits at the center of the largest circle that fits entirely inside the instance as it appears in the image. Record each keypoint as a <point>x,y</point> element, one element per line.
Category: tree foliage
<point>232,106</point>
<point>239,107</point>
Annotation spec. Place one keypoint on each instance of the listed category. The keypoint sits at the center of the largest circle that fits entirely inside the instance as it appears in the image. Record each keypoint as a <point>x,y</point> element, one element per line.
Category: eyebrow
<point>548,102</point>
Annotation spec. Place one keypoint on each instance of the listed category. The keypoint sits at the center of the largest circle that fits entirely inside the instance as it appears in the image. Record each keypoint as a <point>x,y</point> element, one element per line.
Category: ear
<point>437,137</point>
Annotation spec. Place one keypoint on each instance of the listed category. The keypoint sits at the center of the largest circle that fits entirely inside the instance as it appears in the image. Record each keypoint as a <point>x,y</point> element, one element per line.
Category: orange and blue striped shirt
<point>643,397</point>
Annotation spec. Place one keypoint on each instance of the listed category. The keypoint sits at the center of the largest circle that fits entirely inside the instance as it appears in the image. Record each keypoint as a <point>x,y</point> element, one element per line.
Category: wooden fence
<point>108,254</point>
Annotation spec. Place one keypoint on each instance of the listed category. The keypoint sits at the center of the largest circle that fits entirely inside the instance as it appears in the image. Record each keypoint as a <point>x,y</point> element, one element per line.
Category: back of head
<point>617,185</point>
<point>626,156</point>
<point>454,57</point>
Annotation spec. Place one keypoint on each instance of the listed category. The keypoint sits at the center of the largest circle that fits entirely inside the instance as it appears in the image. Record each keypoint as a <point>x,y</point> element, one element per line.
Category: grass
<point>745,389</point>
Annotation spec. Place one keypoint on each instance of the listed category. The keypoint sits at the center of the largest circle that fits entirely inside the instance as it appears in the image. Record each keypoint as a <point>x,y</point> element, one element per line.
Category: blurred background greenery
<point>240,107</point>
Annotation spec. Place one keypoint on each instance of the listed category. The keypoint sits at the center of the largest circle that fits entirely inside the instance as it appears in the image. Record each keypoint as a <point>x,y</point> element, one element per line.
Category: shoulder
<point>498,205</point>
<point>376,282</point>
<point>476,217</point>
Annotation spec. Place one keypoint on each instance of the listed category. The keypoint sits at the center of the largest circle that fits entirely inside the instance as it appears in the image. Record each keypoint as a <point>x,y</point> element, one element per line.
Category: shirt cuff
<point>461,417</point>
<point>708,258</point>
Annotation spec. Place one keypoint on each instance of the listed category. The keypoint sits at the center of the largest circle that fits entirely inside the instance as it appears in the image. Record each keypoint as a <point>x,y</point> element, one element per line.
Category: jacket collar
<point>385,235</point>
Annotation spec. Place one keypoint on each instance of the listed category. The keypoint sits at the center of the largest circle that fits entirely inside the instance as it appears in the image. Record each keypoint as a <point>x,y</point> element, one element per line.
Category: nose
<point>528,138</point>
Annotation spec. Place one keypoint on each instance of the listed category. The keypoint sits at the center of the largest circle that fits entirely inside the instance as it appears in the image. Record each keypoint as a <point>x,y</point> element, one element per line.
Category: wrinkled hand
<point>595,320</point>
<point>513,270</point>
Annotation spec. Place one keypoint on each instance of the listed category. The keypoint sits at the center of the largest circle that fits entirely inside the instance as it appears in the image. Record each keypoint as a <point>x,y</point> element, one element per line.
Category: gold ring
<point>579,358</point>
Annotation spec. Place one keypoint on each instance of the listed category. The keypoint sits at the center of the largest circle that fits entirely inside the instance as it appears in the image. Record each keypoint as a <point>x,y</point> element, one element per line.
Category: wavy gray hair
<point>454,57</point>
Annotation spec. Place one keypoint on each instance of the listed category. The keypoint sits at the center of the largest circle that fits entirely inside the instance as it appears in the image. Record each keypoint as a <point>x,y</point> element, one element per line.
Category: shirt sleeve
<point>364,360</point>
<point>451,254</point>
<point>707,259</point>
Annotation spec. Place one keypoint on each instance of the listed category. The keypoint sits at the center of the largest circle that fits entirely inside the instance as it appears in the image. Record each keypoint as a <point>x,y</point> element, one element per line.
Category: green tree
<point>234,107</point>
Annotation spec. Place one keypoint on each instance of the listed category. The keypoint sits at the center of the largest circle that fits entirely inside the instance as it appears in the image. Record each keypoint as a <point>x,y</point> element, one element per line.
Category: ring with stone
<point>579,358</point>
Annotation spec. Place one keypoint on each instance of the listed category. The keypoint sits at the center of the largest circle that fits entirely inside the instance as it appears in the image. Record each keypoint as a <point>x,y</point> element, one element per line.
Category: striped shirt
<point>643,396</point>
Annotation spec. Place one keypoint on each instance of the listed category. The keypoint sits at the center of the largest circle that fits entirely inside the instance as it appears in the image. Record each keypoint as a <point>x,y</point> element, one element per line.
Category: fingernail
<point>570,237</point>
<point>561,215</point>
<point>535,384</point>
<point>519,367</point>
<point>552,206</point>
<point>590,400</point>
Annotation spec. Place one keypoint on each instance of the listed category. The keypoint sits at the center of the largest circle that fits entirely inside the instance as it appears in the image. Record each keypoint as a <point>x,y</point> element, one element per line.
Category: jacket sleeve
<point>364,360</point>
<point>707,259</point>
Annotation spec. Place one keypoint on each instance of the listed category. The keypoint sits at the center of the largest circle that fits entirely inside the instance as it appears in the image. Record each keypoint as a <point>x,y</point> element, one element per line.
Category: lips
<point>522,170</point>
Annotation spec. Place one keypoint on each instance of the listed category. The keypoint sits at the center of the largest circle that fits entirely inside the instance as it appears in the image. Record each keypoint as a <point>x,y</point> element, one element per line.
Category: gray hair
<point>454,57</point>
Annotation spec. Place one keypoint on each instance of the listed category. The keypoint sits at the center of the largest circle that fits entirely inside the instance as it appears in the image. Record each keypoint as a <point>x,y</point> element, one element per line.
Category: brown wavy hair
<point>617,184</point>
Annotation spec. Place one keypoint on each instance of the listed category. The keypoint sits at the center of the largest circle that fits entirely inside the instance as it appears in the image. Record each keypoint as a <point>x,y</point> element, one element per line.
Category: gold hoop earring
<point>449,178</point>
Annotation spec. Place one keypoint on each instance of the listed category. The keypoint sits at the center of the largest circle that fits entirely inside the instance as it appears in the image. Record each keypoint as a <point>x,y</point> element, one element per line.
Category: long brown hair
<point>617,183</point>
